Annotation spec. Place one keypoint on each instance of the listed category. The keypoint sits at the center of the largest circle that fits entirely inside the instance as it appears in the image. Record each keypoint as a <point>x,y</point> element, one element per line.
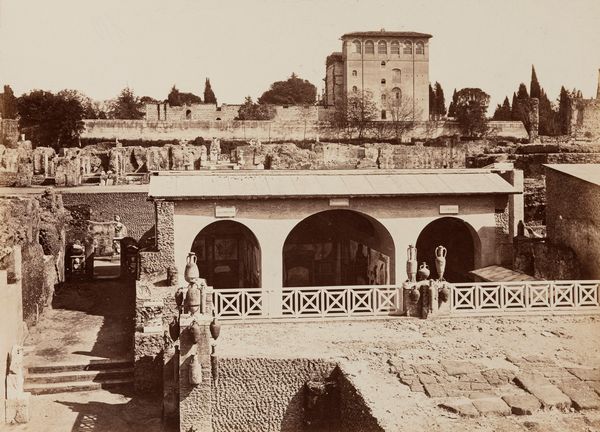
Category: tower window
<point>395,49</point>
<point>382,47</point>
<point>407,47</point>
<point>396,75</point>
<point>382,81</point>
<point>354,73</point>
<point>383,64</point>
<point>188,115</point>
<point>397,93</point>
<point>357,47</point>
<point>383,115</point>
<point>420,48</point>
<point>369,47</point>
<point>354,89</point>
<point>383,97</point>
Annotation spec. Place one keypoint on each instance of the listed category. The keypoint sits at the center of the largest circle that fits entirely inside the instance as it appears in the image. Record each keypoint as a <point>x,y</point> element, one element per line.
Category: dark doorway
<point>457,237</point>
<point>338,247</point>
<point>228,255</point>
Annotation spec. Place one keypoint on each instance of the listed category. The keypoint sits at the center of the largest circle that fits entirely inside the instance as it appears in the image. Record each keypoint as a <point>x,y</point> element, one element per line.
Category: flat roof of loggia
<point>255,184</point>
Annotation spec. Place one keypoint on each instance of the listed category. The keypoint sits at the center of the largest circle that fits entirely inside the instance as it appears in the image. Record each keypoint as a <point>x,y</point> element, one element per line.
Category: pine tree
<point>534,87</point>
<point>209,95</point>
<point>440,102</point>
<point>432,106</point>
<point>452,107</point>
<point>514,112</point>
<point>564,111</point>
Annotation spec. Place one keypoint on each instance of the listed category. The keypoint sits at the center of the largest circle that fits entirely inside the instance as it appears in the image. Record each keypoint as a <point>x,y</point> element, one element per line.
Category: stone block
<point>582,396</point>
<point>549,395</point>
<point>434,390</point>
<point>523,404</point>
<point>461,406</point>
<point>585,374</point>
<point>454,368</point>
<point>17,410</point>
<point>594,385</point>
<point>480,386</point>
<point>491,406</point>
<point>14,385</point>
<point>427,379</point>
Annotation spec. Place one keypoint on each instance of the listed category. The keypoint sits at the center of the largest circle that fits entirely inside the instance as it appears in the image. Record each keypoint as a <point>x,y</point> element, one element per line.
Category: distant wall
<point>286,129</point>
<point>585,120</point>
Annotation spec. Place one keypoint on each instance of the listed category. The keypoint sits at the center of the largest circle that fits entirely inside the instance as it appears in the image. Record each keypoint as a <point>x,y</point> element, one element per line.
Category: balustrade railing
<point>243,304</point>
<point>524,296</point>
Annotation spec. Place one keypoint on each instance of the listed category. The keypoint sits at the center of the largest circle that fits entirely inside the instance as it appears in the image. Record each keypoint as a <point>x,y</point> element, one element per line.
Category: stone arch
<point>338,247</point>
<point>461,241</point>
<point>229,255</point>
<point>188,114</point>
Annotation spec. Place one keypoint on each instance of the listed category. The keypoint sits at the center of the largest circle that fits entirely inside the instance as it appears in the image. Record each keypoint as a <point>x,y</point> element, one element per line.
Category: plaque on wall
<point>448,209</point>
<point>224,212</point>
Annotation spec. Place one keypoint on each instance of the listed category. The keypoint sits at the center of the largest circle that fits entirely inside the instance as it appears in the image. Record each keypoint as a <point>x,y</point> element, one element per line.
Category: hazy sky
<point>99,47</point>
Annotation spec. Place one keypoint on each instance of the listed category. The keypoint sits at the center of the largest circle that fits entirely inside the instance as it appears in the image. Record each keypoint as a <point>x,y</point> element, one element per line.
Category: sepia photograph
<point>300,216</point>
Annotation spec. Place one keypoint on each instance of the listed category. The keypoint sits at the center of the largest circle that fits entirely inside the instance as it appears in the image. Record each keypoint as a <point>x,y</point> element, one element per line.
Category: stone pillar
<point>195,401</point>
<point>516,211</point>
<point>534,119</point>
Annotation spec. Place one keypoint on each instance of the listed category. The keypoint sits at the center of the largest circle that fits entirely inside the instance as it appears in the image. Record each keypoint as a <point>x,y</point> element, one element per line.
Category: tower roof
<point>383,33</point>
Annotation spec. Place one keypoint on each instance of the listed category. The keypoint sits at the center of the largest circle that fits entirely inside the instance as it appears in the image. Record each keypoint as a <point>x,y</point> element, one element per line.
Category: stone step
<point>77,386</point>
<point>99,364</point>
<point>80,375</point>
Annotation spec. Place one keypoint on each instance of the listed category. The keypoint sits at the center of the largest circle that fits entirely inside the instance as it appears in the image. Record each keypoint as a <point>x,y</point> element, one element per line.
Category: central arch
<point>228,255</point>
<point>338,247</point>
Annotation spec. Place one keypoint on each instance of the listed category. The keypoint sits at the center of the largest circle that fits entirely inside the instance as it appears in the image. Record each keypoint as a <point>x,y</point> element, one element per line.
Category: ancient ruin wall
<point>261,394</point>
<point>9,132</point>
<point>277,130</point>
<point>136,212</point>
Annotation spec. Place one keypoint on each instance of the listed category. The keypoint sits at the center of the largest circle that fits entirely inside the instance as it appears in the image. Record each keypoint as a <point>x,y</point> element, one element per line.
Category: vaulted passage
<point>458,238</point>
<point>338,247</point>
<point>228,255</point>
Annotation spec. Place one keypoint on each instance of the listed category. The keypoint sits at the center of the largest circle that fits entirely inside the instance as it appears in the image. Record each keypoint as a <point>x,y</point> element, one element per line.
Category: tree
<point>432,106</point>
<point>564,111</point>
<point>127,106</point>
<point>471,107</point>
<point>51,120</point>
<point>452,106</point>
<point>440,101</point>
<point>502,112</point>
<point>402,115</point>
<point>177,98</point>
<point>209,95</point>
<point>357,112</point>
<point>293,91</point>
<point>521,107</point>
<point>253,111</point>
<point>8,104</point>
<point>534,87</point>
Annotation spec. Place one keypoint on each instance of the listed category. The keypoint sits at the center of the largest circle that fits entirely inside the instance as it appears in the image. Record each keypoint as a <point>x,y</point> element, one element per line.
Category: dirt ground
<point>367,348</point>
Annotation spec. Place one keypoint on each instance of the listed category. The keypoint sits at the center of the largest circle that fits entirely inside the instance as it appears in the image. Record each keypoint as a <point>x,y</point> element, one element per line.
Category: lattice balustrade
<point>524,296</point>
<point>234,303</point>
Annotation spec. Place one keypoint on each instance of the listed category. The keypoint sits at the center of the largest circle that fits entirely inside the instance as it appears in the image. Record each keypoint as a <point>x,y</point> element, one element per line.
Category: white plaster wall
<point>272,220</point>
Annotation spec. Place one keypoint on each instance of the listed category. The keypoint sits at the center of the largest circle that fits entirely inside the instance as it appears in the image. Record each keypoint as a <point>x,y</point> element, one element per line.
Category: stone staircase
<point>93,375</point>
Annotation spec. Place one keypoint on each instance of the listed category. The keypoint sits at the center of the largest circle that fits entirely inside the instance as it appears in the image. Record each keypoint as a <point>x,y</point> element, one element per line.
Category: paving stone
<point>538,359</point>
<point>417,387</point>
<point>459,367</point>
<point>461,385</point>
<point>585,374</point>
<point>594,385</point>
<point>491,406</point>
<point>549,395</point>
<point>481,395</point>
<point>522,404</point>
<point>434,390</point>
<point>427,379</point>
<point>582,396</point>
<point>460,406</point>
<point>480,386</point>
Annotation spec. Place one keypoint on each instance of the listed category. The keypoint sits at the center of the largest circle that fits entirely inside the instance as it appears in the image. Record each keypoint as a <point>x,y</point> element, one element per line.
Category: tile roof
<point>587,172</point>
<point>313,183</point>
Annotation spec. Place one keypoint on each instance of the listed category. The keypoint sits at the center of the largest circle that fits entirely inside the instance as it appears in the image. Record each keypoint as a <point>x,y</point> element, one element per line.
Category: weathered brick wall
<point>585,121</point>
<point>262,394</point>
<point>137,214</point>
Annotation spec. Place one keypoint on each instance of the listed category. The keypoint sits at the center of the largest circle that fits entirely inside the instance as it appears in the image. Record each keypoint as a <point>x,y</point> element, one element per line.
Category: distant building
<point>386,64</point>
<point>585,119</point>
<point>573,212</point>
